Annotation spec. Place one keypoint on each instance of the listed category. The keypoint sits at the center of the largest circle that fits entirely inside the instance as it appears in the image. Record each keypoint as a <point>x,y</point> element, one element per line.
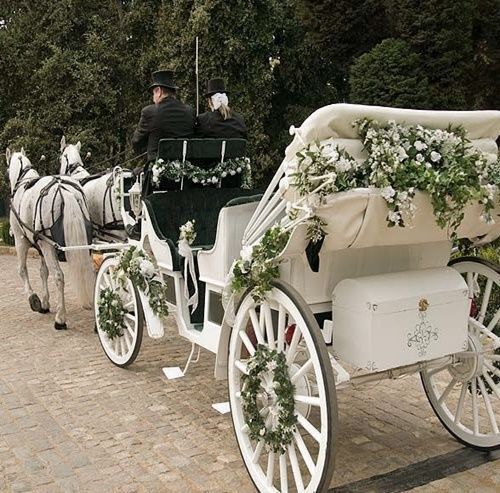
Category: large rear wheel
<point>465,395</point>
<point>284,323</point>
<point>121,350</point>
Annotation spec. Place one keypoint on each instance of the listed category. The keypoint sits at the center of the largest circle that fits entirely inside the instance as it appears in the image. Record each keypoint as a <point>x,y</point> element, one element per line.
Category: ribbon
<point>189,270</point>
<point>219,99</point>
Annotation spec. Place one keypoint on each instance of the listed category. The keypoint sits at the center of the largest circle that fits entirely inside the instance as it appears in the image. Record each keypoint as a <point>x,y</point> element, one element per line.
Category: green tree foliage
<point>390,75</point>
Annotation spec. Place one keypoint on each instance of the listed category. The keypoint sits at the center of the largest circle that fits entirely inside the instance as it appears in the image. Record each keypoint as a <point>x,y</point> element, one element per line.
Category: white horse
<point>47,210</point>
<point>103,202</point>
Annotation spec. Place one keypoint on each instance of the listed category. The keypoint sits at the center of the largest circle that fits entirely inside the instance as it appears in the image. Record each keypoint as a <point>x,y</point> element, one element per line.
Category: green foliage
<point>269,362</point>
<point>111,313</point>
<point>389,75</point>
<point>5,237</point>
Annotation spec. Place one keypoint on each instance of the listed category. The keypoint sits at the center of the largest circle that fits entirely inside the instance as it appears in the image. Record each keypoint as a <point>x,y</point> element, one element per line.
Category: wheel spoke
<point>470,284</point>
<point>486,300</point>
<point>460,404</point>
<point>447,390</point>
<point>308,399</point>
<point>281,328</point>
<point>494,357</point>
<point>122,346</point>
<point>290,355</point>
<point>494,321</point>
<point>304,452</point>
<point>241,366</point>
<point>492,369</point>
<point>256,325</point>
<point>258,451</point>
<point>129,305</point>
<point>297,476</point>
<point>247,342</point>
<point>475,412</point>
<point>283,474</point>
<point>308,426</point>
<point>270,468</point>
<point>491,384</point>
<point>131,317</point>
<point>434,371</point>
<point>268,320</point>
<point>489,409</point>
<point>302,370</point>
<point>482,329</point>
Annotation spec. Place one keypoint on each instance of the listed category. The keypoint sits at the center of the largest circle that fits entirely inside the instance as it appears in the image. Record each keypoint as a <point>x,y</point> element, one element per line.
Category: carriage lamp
<point>135,198</point>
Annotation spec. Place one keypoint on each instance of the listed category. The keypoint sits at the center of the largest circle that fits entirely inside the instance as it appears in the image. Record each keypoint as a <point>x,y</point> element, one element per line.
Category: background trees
<point>81,67</point>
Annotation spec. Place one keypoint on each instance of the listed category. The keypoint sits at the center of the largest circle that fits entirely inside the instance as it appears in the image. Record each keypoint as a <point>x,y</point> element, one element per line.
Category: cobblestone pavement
<point>71,421</point>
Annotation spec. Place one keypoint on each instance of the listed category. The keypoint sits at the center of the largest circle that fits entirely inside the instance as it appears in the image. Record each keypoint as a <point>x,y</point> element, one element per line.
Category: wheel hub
<point>470,365</point>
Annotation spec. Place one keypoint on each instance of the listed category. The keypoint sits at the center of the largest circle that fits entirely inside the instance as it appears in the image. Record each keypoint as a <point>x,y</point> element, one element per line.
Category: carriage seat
<point>169,211</point>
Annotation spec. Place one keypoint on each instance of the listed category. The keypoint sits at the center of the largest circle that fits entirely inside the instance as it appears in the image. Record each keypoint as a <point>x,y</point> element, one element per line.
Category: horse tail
<point>81,273</point>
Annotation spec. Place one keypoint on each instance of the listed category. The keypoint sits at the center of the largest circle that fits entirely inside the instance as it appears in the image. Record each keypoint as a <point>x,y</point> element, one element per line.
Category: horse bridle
<point>22,174</point>
<point>71,167</point>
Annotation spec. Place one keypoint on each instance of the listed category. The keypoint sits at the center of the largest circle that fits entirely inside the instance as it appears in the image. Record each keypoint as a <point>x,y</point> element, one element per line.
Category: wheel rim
<point>466,394</point>
<point>120,350</point>
<point>304,465</point>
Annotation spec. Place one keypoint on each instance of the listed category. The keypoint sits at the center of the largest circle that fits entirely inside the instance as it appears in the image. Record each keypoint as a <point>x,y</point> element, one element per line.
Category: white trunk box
<point>391,320</point>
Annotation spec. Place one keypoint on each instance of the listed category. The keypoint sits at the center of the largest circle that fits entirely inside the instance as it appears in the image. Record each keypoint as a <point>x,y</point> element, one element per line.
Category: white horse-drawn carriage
<point>347,301</point>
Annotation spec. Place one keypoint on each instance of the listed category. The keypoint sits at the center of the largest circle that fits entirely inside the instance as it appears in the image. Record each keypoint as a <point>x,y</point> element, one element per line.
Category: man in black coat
<point>167,117</point>
<point>221,121</point>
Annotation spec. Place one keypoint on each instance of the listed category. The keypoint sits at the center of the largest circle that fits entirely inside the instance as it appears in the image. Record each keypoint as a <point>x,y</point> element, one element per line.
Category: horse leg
<point>44,274</point>
<point>22,246</point>
<point>51,258</point>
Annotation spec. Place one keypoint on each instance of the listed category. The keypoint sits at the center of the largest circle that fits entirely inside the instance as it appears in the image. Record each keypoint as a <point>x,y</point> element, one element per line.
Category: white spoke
<point>304,452</point>
<point>434,371</point>
<point>447,390</point>
<point>129,305</point>
<point>494,320</point>
<point>281,328</point>
<point>268,319</point>
<point>256,325</point>
<point>293,345</point>
<point>470,284</point>
<point>492,369</point>
<point>130,317</point>
<point>105,281</point>
<point>115,344</point>
<point>308,399</point>
<point>245,429</point>
<point>302,370</point>
<point>494,357</point>
<point>283,474</point>
<point>122,346</point>
<point>308,427</point>
<point>241,366</point>
<point>486,332</point>
<point>486,299</point>
<point>247,342</point>
<point>111,283</point>
<point>257,452</point>
<point>297,476</point>
<point>270,468</point>
<point>489,409</point>
<point>492,385</point>
<point>475,413</point>
<point>460,405</point>
<point>130,329</point>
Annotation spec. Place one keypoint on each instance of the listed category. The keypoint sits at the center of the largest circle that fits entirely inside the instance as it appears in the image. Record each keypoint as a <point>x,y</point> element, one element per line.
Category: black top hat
<point>215,85</point>
<point>163,78</point>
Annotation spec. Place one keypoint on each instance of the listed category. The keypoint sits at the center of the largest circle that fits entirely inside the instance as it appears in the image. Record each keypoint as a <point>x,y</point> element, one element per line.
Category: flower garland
<point>111,313</point>
<point>187,232</point>
<point>176,170</point>
<point>258,265</point>
<point>136,265</point>
<point>281,392</point>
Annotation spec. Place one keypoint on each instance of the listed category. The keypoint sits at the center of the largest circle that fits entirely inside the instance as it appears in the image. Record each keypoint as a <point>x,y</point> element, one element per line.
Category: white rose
<point>238,169</point>
<point>223,174</point>
<point>420,146</point>
<point>419,158</point>
<point>147,268</point>
<point>214,179</point>
<point>435,156</point>
<point>246,253</point>
<point>394,217</point>
<point>388,193</point>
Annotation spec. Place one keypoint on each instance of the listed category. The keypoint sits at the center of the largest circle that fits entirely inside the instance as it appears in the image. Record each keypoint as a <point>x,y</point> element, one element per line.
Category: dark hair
<point>168,91</point>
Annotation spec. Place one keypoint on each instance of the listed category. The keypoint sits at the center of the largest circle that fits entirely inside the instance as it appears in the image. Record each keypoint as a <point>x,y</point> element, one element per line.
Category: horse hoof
<point>44,310</point>
<point>59,326</point>
<point>35,303</point>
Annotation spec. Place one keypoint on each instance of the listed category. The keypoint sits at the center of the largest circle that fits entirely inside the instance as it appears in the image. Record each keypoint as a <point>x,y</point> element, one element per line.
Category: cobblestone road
<point>71,421</point>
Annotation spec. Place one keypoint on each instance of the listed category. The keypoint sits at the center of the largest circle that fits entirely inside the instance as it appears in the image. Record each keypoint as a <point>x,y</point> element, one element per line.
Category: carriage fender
<point>220,371</point>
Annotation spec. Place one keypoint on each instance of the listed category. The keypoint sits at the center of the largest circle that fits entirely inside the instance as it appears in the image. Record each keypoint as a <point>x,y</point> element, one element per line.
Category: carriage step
<point>198,326</point>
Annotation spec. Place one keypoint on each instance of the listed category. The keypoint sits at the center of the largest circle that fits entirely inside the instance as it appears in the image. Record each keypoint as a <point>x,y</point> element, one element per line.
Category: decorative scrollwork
<point>423,334</point>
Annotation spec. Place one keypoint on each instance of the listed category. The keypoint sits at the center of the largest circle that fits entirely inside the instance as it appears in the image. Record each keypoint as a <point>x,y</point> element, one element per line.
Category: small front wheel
<point>282,331</point>
<point>121,350</point>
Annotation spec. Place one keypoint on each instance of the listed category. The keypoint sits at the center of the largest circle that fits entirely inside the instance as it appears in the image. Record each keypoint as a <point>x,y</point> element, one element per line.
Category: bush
<point>5,237</point>
<point>389,75</point>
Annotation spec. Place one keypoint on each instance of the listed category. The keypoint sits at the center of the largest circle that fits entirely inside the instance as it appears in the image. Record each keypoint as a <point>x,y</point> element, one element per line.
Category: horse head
<point>18,165</point>
<point>70,161</point>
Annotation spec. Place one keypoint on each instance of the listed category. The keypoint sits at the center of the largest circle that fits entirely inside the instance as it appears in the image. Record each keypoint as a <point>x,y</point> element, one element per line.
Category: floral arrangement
<point>443,163</point>
<point>282,414</point>
<point>258,265</point>
<point>176,170</point>
<point>136,265</point>
<point>187,232</point>
<point>111,313</point>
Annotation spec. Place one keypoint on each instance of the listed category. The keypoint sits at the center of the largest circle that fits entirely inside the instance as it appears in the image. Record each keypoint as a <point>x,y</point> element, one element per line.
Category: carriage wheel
<point>465,395</point>
<point>284,322</point>
<point>122,350</point>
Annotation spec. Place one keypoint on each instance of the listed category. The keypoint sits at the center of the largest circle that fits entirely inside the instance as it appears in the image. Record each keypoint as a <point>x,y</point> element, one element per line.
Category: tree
<point>389,75</point>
